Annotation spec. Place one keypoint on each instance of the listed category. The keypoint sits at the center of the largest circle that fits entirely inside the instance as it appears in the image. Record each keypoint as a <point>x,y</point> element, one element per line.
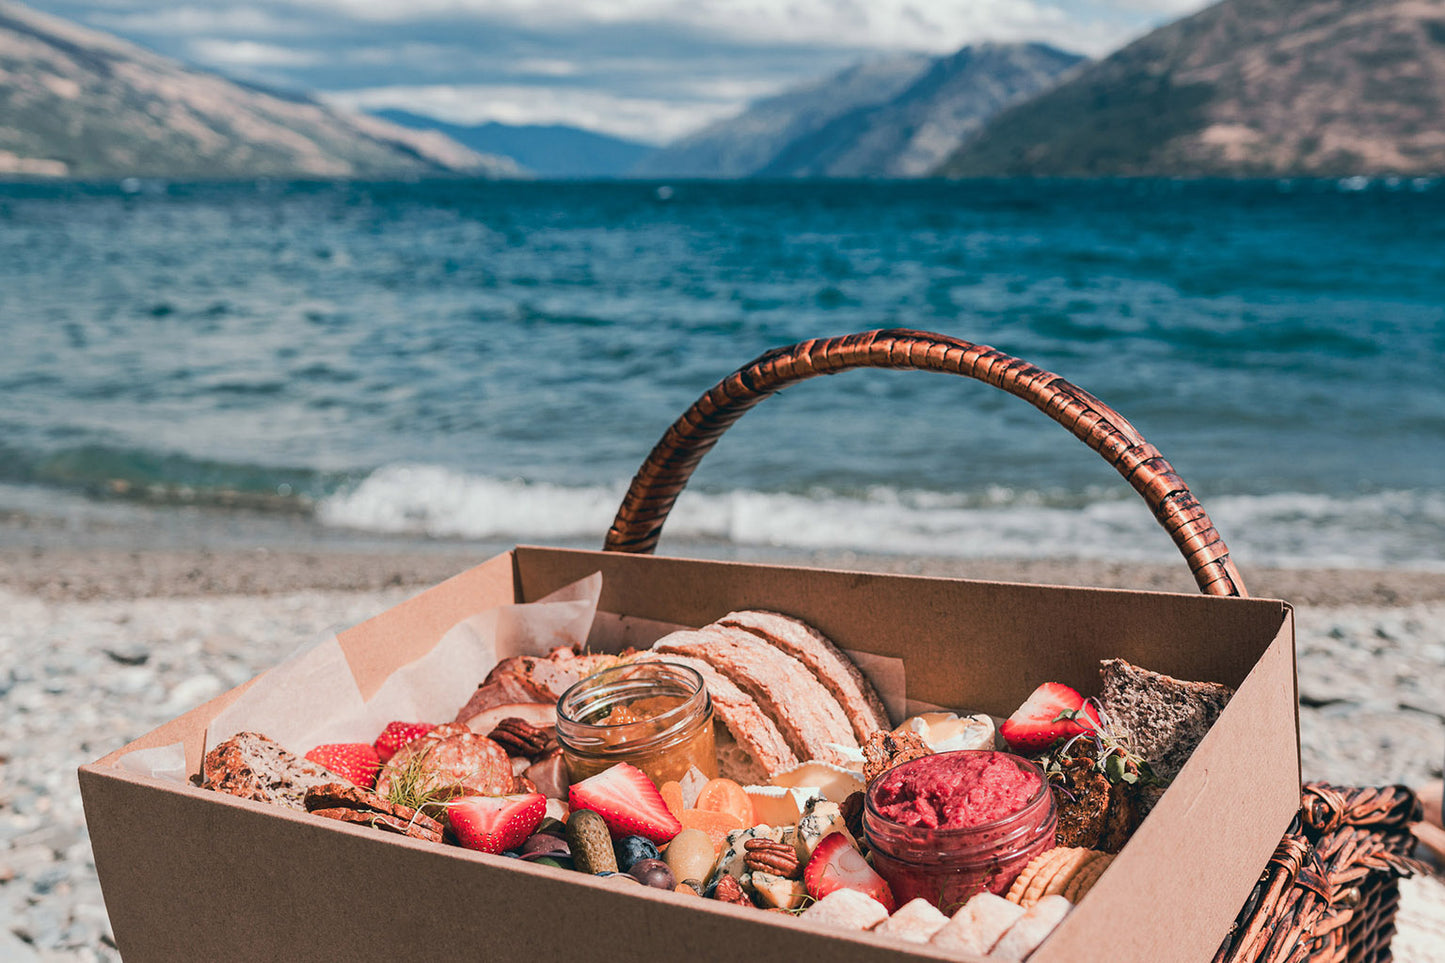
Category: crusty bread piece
<point>750,728</point>
<point>1031,929</point>
<point>529,678</point>
<point>914,922</point>
<point>1160,717</point>
<point>977,925</point>
<point>828,663</point>
<point>252,766</point>
<point>808,716</point>
<point>847,908</point>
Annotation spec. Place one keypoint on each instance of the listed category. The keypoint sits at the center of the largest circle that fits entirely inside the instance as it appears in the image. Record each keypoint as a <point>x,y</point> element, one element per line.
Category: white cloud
<point>249,53</point>
<point>189,21</point>
<point>938,25</point>
<point>646,119</point>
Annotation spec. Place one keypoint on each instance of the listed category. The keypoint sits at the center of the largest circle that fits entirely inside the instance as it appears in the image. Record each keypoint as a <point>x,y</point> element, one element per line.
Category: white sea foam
<point>1386,530</point>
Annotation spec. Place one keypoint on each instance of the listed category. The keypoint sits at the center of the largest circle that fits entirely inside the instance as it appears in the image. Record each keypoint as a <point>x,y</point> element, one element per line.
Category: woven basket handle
<point>665,473</point>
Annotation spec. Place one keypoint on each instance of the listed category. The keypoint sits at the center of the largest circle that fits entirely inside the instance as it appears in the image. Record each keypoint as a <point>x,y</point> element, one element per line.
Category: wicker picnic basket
<point>1330,891</point>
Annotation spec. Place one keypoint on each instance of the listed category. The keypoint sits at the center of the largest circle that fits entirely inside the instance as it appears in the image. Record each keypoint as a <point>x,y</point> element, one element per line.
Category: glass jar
<point>991,813</point>
<point>655,715</point>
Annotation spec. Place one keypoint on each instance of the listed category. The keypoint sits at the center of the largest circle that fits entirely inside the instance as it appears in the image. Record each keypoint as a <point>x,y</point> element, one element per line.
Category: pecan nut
<point>767,856</point>
<point>520,738</point>
<point>729,890</point>
<point>884,750</point>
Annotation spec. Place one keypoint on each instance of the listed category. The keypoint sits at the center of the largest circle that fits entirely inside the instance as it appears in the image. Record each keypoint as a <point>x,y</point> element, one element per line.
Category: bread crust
<point>808,716</point>
<point>467,760</point>
<point>828,663</point>
<point>253,766</point>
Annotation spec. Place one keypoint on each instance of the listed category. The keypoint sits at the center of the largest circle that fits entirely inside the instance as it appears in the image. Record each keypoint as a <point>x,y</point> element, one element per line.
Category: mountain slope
<point>1244,88</point>
<point>742,145</point>
<point>550,150</point>
<point>78,103</point>
<point>909,135</point>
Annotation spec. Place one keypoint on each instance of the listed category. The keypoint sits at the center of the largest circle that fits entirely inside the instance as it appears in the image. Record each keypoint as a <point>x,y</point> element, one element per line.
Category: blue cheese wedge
<point>820,818</point>
<point>734,854</point>
<point>788,894</point>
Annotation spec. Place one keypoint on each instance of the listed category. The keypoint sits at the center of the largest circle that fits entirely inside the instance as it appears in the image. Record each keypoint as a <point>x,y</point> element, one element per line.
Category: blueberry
<point>631,849</point>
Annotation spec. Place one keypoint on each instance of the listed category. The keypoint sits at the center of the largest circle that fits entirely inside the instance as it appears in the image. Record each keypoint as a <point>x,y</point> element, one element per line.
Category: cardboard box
<point>189,873</point>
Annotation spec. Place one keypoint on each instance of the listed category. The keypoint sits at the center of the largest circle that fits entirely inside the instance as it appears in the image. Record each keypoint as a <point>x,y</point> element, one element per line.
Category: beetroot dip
<point>956,790</point>
<point>948,826</point>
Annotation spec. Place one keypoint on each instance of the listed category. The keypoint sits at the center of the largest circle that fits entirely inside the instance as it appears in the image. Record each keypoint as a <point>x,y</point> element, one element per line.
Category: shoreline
<point>58,572</point>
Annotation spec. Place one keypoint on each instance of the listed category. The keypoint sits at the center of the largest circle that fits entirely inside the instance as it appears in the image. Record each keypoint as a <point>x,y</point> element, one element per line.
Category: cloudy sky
<point>650,70</point>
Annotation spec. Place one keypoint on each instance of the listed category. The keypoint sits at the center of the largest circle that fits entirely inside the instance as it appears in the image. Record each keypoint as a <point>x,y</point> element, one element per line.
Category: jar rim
<point>686,681</point>
<point>870,807</point>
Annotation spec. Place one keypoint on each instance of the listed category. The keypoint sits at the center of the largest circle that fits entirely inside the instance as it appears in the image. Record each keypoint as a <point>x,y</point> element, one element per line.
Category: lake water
<point>492,361</point>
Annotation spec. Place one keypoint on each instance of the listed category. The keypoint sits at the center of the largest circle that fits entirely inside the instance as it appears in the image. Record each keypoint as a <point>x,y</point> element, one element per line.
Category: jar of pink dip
<point>948,826</point>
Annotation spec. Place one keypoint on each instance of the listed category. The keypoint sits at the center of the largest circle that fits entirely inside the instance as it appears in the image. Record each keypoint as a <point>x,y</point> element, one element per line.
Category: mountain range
<point>896,117</point>
<point>544,150</point>
<point>1243,88</point>
<point>78,103</point>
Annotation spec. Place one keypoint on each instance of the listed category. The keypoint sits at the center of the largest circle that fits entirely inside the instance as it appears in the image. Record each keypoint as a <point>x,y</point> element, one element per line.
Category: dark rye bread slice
<point>252,766</point>
<point>807,715</point>
<point>388,824</point>
<point>828,663</point>
<point>749,725</point>
<point>1161,717</point>
<point>339,795</point>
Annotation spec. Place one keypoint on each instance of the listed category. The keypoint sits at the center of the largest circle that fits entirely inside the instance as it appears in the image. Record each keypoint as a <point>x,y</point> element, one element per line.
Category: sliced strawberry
<point>495,824</point>
<point>355,761</point>
<point>1052,712</point>
<point>837,864</point>
<point>628,803</point>
<point>398,734</point>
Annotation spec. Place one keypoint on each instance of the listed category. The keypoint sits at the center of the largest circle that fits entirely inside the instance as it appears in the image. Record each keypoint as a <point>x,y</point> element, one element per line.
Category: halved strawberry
<point>495,824</point>
<point>837,864</point>
<point>355,761</point>
<point>398,734</point>
<point>1052,712</point>
<point>628,803</point>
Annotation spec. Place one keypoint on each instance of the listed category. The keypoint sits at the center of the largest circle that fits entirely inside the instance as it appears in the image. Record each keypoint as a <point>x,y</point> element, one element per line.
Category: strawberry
<point>628,803</point>
<point>495,824</point>
<point>398,734</point>
<point>355,761</point>
<point>837,864</point>
<point>1052,712</point>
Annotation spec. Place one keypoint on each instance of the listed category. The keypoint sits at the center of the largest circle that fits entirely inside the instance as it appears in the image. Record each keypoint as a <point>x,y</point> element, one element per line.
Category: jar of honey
<point>656,716</point>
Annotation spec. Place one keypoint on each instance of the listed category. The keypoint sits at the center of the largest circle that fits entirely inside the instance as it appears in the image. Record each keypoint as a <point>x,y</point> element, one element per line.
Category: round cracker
<point>1025,888</point>
<point>1026,875</point>
<point>1065,861</point>
<point>1069,870</point>
<point>1086,878</point>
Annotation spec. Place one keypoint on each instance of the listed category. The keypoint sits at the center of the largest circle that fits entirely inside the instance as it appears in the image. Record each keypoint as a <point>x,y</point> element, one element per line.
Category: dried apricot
<point>726,796</point>
<point>672,795</point>
<point>715,825</point>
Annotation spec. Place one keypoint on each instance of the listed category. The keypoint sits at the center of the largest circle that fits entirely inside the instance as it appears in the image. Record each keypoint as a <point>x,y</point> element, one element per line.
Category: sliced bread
<point>252,766</point>
<point>829,664</point>
<point>1162,718</point>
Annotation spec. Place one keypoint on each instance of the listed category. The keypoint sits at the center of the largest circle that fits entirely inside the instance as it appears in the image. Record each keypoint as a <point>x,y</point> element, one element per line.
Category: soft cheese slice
<point>820,818</point>
<point>947,731</point>
<point>834,782</point>
<point>780,805</point>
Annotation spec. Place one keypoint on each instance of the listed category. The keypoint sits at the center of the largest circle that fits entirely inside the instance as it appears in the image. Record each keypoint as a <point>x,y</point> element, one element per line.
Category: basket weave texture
<point>1329,893</point>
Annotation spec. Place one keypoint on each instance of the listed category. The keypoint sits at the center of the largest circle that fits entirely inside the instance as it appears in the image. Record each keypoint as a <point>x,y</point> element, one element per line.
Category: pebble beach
<point>100,646</point>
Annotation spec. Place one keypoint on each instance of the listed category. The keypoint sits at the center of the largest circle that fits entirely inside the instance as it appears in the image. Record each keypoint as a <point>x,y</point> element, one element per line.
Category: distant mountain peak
<point>1242,88</point>
<point>897,117</point>
<point>546,150</point>
<point>80,103</point>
